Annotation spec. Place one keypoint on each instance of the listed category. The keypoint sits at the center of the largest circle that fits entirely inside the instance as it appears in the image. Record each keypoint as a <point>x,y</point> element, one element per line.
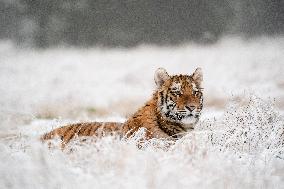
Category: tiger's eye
<point>195,93</point>
<point>176,93</point>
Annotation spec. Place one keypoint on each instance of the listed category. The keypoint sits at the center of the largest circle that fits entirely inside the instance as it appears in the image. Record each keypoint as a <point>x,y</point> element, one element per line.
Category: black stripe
<point>162,98</point>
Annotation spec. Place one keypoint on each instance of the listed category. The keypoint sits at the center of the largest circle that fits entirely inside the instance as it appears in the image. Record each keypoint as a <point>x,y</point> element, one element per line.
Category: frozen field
<point>239,143</point>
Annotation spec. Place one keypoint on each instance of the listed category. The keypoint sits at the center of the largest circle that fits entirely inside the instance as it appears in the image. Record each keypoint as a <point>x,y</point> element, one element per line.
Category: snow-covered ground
<point>239,143</point>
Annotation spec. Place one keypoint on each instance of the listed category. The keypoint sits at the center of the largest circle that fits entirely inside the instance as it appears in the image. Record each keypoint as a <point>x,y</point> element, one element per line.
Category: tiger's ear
<point>161,76</point>
<point>198,76</point>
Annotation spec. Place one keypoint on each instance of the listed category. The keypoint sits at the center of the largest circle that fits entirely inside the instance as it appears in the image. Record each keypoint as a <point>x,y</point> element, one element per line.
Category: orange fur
<point>173,110</point>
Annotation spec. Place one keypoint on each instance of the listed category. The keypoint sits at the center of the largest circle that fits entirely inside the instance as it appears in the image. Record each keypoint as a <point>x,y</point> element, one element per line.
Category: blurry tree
<point>9,18</point>
<point>45,23</point>
<point>40,11</point>
<point>257,17</point>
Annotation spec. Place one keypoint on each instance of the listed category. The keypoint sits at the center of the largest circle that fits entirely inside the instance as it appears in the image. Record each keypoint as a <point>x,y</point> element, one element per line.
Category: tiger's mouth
<point>181,117</point>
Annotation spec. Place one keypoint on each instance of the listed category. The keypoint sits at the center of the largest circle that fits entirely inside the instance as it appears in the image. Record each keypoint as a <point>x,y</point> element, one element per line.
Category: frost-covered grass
<point>239,143</point>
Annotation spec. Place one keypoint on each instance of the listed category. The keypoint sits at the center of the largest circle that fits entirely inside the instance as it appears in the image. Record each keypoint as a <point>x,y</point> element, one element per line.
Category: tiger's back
<point>98,129</point>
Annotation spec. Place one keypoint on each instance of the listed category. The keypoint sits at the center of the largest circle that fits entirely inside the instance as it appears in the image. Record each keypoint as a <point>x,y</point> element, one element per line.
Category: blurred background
<point>66,61</point>
<point>94,59</point>
<point>127,23</point>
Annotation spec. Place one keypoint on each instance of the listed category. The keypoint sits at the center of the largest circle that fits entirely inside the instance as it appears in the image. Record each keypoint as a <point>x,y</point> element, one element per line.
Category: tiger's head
<point>180,97</point>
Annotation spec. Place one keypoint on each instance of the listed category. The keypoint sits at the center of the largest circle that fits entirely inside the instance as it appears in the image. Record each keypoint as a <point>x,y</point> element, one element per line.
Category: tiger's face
<point>180,97</point>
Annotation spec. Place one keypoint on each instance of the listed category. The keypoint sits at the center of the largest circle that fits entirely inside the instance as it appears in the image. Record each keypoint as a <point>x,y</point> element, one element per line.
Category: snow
<point>237,144</point>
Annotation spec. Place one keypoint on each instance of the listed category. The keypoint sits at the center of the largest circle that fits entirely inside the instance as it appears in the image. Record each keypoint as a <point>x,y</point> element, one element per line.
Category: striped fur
<point>174,109</point>
<point>98,129</point>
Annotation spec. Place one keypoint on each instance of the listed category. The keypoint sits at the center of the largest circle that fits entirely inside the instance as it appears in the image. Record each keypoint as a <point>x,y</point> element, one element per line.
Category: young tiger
<point>174,109</point>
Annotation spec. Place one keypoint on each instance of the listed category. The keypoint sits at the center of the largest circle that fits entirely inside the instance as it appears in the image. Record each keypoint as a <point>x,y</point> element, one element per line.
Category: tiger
<point>173,110</point>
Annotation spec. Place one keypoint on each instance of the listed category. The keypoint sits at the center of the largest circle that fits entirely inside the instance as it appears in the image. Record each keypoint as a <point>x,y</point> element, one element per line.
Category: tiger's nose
<point>190,108</point>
